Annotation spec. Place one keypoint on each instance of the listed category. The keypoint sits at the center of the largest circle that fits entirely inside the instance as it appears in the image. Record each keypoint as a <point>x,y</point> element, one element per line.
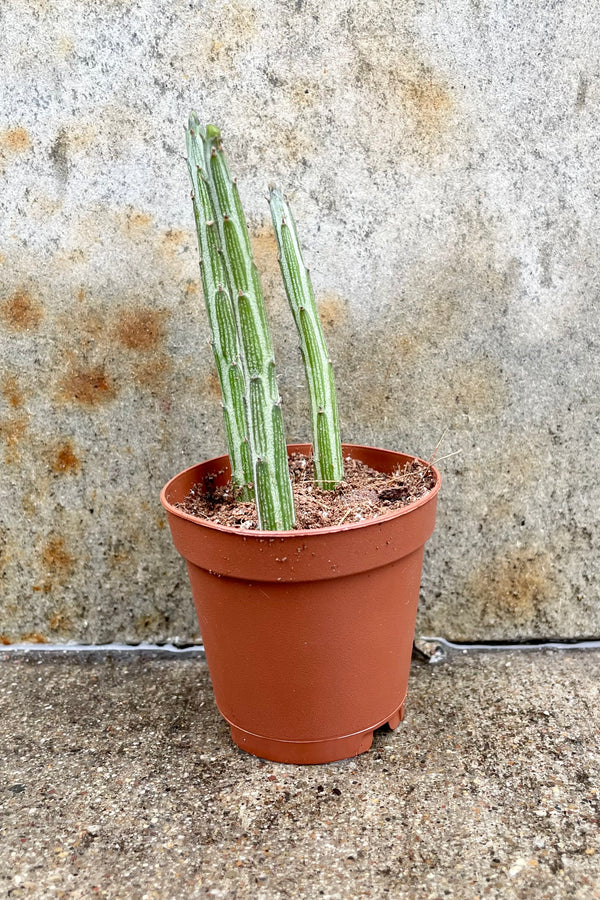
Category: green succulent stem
<point>266,437</point>
<point>219,306</point>
<point>327,447</point>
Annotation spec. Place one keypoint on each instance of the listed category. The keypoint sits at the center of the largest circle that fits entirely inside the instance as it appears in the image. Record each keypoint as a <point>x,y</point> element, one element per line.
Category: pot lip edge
<point>304,532</point>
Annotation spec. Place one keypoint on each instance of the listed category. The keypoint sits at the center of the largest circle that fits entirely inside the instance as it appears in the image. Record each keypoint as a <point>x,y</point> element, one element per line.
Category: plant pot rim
<point>256,534</point>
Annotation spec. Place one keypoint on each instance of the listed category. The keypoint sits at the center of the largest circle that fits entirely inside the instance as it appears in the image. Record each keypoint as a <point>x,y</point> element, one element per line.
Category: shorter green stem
<point>327,447</point>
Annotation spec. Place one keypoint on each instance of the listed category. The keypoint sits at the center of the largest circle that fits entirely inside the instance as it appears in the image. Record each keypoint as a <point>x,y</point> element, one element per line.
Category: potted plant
<point>308,631</point>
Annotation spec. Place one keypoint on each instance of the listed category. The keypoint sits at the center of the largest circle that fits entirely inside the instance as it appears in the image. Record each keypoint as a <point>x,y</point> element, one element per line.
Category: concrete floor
<point>120,781</point>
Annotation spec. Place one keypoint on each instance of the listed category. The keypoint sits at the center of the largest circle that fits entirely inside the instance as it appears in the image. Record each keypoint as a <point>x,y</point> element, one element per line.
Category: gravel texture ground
<point>120,781</point>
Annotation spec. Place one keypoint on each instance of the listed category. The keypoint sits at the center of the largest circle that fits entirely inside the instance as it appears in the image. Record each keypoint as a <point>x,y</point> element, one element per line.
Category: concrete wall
<point>442,160</point>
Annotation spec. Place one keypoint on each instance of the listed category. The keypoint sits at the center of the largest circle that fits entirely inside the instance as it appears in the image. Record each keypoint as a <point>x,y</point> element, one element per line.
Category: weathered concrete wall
<point>443,163</point>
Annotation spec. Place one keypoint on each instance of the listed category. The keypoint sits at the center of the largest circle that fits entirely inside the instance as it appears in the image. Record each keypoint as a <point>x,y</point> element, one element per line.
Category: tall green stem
<point>221,317</point>
<point>274,498</point>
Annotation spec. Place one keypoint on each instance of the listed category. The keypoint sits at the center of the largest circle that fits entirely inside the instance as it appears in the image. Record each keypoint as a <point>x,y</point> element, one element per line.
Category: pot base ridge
<point>312,752</point>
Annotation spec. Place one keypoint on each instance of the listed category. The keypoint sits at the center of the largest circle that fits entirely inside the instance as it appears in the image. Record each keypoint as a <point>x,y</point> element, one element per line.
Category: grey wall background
<point>443,163</point>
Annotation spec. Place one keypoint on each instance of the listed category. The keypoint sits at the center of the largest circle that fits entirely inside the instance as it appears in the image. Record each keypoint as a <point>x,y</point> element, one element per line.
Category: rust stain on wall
<point>57,564</point>
<point>225,31</point>
<point>411,107</point>
<point>428,99</point>
<point>264,250</point>
<point>21,311</point>
<point>135,223</point>
<point>87,386</point>
<point>264,247</point>
<point>514,587</point>
<point>12,432</point>
<point>211,389</point>
<point>466,290</point>
<point>150,374</point>
<point>191,288</point>
<point>55,557</point>
<point>60,621</point>
<point>100,339</point>
<point>112,127</point>
<point>174,240</point>
<point>12,392</point>
<point>305,92</point>
<point>154,622</point>
<point>64,46</point>
<point>333,311</point>
<point>474,387</point>
<point>64,460</point>
<point>15,140</point>
<point>140,328</point>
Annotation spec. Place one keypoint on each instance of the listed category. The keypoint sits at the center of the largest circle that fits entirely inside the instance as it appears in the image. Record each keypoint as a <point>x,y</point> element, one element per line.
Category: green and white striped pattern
<point>327,448</point>
<point>221,317</point>
<point>268,451</point>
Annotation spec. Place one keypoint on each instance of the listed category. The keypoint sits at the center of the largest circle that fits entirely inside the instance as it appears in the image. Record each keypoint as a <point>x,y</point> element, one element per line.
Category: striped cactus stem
<point>217,294</point>
<point>273,489</point>
<point>327,447</point>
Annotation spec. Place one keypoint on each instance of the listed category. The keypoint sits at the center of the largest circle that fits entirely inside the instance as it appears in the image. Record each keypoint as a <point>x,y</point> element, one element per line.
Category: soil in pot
<point>364,494</point>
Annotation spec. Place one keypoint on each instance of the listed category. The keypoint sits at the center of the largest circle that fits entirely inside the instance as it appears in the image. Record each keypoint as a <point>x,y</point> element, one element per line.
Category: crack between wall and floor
<point>426,648</point>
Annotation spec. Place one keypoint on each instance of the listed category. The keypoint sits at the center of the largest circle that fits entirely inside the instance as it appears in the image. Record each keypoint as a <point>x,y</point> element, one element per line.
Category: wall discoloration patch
<point>333,311</point>
<point>211,389</point>
<point>21,311</point>
<point>100,340</point>
<point>55,557</point>
<point>428,99</point>
<point>296,143</point>
<point>264,250</point>
<point>153,622</point>
<point>513,589</point>
<point>474,388</point>
<point>225,32</point>
<point>14,141</point>
<point>582,89</point>
<point>64,46</point>
<point>57,565</point>
<point>411,108</point>
<point>13,431</point>
<point>192,288</point>
<point>423,336</point>
<point>87,386</point>
<point>60,622</point>
<point>174,240</point>
<point>151,373</point>
<point>12,391</point>
<point>306,92</point>
<point>135,223</point>
<point>59,154</point>
<point>140,328</point>
<point>63,459</point>
<point>31,637</point>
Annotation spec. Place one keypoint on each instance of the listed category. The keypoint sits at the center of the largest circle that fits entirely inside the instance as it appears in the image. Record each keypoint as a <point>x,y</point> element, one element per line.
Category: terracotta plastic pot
<point>308,634</point>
